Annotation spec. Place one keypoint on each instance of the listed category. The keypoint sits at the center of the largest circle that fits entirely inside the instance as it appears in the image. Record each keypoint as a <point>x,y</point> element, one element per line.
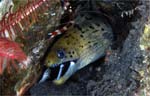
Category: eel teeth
<point>45,75</point>
<point>72,63</point>
<point>60,71</point>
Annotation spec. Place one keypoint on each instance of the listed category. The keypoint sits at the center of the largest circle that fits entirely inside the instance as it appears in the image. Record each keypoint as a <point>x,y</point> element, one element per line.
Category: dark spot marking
<point>95,43</point>
<point>91,27</point>
<point>73,52</point>
<point>71,56</point>
<point>81,46</point>
<point>95,31</point>
<point>81,36</point>
<point>90,45</point>
<point>83,31</point>
<point>69,52</point>
<point>97,24</point>
<point>89,41</point>
<point>102,29</point>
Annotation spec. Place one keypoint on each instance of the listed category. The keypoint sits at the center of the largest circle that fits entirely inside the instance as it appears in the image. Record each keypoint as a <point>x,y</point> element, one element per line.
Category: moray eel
<point>81,45</point>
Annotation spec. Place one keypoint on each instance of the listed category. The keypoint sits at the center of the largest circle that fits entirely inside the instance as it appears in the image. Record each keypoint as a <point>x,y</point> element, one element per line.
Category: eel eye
<point>60,54</point>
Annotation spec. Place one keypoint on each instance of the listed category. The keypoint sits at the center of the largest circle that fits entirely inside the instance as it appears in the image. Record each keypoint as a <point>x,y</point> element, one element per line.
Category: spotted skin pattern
<point>84,42</point>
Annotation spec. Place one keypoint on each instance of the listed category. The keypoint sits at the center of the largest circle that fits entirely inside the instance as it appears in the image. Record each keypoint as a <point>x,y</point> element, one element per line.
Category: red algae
<point>10,51</point>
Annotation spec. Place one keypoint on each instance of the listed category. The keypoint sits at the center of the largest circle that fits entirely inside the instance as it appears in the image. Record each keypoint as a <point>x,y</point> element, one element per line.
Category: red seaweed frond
<point>10,51</point>
<point>13,24</point>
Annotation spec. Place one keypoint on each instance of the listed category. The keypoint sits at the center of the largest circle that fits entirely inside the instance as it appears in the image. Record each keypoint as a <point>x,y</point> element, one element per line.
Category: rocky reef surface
<point>123,74</point>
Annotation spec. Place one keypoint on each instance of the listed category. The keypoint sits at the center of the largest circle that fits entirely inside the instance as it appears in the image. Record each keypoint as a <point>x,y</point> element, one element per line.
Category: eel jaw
<point>72,69</point>
<point>64,71</point>
<point>59,73</point>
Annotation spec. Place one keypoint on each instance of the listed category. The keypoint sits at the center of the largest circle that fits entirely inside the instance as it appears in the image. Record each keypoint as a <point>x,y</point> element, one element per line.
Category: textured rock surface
<point>35,46</point>
<point>119,76</point>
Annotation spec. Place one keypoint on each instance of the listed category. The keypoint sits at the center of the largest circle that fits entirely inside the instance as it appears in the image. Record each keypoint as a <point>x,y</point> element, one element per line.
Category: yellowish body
<point>82,44</point>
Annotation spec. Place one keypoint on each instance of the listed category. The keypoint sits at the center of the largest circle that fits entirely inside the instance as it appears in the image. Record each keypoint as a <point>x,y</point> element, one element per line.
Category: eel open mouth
<point>56,71</point>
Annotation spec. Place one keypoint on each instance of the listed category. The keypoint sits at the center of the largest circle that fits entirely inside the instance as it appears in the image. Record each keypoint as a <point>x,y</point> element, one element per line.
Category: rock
<point>119,76</point>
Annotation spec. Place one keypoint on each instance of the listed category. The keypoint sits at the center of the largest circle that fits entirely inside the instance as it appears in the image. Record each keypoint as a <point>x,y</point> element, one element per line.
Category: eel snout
<point>59,73</point>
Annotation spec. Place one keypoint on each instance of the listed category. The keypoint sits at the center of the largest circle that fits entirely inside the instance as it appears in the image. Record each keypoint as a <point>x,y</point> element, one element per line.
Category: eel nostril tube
<point>60,71</point>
